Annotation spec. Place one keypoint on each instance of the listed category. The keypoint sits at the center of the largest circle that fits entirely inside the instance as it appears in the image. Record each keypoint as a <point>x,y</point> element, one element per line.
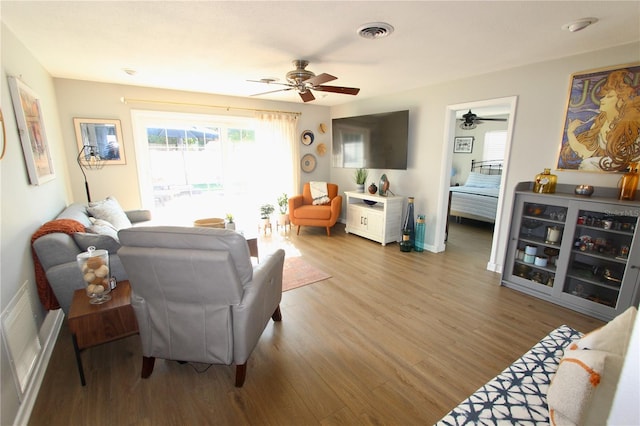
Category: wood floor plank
<point>390,338</point>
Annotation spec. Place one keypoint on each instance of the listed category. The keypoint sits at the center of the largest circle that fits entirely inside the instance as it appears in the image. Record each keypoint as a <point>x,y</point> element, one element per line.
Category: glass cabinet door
<point>539,237</point>
<point>599,256</point>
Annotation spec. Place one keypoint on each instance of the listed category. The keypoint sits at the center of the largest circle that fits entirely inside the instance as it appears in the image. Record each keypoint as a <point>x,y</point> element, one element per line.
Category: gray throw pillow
<point>109,209</point>
<point>85,240</point>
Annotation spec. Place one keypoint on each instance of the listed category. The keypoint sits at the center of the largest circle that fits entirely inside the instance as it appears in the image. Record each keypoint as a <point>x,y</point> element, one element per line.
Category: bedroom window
<point>494,145</point>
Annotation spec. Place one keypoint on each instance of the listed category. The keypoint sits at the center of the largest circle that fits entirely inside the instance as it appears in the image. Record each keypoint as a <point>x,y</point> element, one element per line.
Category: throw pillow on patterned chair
<point>583,388</point>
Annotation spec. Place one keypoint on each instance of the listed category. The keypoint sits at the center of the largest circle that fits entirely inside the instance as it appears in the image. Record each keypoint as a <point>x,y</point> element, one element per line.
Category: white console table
<point>379,222</point>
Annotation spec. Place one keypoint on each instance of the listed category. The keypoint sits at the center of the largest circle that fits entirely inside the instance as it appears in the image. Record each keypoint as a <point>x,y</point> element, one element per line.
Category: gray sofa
<point>57,252</point>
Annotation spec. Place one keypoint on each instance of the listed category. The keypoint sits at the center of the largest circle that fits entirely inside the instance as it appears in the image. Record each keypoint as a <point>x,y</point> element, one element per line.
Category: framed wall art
<point>601,131</point>
<point>37,153</point>
<point>463,144</point>
<point>104,135</point>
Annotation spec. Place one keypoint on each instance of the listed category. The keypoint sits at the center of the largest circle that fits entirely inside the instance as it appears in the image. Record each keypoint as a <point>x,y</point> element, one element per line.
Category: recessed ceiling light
<point>375,30</point>
<point>580,24</point>
<point>130,71</point>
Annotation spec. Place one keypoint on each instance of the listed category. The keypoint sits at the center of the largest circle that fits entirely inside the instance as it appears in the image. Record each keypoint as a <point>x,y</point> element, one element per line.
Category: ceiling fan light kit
<point>470,120</point>
<point>304,81</point>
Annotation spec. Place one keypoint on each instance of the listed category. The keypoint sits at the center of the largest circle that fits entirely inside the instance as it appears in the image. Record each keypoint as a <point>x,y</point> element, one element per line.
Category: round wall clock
<point>307,137</point>
<point>308,163</point>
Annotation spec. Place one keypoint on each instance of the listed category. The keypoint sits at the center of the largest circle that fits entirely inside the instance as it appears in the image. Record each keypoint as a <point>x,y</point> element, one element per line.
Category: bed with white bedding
<point>478,198</point>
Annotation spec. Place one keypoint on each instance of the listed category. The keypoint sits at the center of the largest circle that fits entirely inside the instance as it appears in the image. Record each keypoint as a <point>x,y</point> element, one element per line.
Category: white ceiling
<point>215,46</point>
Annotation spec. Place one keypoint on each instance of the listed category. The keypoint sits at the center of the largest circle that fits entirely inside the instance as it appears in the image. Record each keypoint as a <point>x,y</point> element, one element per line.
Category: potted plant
<point>265,213</point>
<point>283,204</point>
<point>361,177</point>
<point>230,223</point>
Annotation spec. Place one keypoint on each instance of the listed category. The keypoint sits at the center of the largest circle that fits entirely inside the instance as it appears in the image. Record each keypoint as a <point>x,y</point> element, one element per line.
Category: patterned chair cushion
<point>518,394</point>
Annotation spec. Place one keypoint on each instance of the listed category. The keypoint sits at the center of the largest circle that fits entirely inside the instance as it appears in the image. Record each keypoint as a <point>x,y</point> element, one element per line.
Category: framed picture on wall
<point>463,144</point>
<point>33,137</point>
<point>104,135</point>
<point>601,121</point>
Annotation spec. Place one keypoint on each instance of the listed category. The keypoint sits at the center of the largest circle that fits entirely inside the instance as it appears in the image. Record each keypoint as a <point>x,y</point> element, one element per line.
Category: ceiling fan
<point>304,81</point>
<point>470,120</point>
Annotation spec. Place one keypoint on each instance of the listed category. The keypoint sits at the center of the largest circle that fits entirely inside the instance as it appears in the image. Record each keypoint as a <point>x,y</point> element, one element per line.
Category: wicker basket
<point>211,222</point>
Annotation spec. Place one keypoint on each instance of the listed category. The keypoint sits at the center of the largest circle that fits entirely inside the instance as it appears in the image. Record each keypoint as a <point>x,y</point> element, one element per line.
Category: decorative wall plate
<point>308,163</point>
<point>323,128</point>
<point>307,137</point>
<point>321,149</point>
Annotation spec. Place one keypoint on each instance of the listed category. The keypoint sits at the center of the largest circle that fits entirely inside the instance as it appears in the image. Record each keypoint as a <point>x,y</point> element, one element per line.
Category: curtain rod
<point>149,101</point>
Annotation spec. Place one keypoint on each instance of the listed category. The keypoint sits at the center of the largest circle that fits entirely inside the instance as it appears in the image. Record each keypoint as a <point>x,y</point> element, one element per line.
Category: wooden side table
<point>93,325</point>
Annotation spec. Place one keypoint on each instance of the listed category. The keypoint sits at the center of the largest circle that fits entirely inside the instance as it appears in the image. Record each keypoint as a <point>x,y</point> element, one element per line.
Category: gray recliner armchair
<point>196,295</point>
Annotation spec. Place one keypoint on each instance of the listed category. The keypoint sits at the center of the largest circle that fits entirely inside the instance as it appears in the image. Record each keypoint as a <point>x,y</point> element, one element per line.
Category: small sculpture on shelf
<point>373,188</point>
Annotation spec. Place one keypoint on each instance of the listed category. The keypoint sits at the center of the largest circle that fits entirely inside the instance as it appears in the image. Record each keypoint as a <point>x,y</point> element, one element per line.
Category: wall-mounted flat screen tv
<point>375,141</point>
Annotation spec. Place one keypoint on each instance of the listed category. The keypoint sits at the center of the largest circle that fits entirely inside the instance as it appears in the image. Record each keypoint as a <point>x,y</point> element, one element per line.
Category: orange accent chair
<point>303,212</point>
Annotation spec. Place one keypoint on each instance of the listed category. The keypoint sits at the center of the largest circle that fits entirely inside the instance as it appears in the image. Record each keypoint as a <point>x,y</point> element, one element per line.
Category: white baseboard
<point>48,335</point>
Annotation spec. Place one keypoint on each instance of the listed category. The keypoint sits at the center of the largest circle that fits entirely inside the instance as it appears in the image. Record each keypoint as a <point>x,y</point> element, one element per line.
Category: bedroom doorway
<point>501,107</point>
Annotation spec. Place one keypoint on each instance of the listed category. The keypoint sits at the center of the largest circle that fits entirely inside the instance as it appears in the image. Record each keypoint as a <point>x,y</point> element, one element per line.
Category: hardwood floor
<point>390,338</point>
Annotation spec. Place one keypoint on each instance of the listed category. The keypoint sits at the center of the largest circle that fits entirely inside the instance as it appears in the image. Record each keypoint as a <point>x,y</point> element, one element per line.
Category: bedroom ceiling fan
<point>304,81</point>
<point>470,121</point>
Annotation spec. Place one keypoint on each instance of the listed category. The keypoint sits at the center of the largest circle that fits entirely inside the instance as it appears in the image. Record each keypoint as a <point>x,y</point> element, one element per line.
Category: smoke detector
<point>375,30</point>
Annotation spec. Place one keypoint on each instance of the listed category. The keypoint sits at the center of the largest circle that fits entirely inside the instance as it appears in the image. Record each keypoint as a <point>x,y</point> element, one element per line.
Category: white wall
<point>24,207</point>
<point>542,96</point>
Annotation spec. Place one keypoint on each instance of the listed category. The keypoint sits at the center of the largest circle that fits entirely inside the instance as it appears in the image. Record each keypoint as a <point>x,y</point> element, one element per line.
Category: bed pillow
<point>479,180</point>
<point>109,209</point>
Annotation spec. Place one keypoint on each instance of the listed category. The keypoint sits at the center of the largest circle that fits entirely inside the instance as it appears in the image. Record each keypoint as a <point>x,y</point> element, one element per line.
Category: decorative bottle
<point>408,224</point>
<point>405,244</point>
<point>629,183</point>
<point>420,228</point>
<point>545,182</point>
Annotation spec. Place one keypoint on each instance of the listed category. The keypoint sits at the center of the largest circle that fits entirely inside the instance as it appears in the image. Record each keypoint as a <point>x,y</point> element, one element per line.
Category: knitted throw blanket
<point>45,292</point>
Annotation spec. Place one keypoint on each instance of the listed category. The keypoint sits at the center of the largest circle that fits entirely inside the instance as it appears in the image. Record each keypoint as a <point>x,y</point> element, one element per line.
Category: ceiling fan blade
<point>338,89</point>
<point>492,119</point>
<point>307,96</point>
<point>320,79</point>
<point>269,81</point>
<point>273,91</point>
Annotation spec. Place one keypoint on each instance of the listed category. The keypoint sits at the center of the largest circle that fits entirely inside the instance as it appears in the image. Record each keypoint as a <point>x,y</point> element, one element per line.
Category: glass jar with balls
<point>94,266</point>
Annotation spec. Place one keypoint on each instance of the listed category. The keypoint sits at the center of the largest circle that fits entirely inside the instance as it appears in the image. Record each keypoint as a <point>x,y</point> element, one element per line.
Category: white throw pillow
<point>573,397</point>
<point>109,209</point>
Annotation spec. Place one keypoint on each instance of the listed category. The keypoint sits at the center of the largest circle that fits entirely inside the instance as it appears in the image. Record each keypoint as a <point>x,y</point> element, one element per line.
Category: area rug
<point>298,273</point>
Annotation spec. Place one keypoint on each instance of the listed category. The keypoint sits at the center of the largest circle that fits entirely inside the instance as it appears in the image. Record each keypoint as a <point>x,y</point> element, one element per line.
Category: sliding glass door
<point>200,166</point>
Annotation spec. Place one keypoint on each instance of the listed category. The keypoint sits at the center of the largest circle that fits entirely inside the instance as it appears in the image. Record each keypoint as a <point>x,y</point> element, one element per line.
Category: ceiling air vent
<point>375,30</point>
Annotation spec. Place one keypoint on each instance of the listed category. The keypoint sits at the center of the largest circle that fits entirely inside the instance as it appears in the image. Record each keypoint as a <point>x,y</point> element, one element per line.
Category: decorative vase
<point>360,187</point>
<point>420,228</point>
<point>384,185</point>
<point>545,182</point>
<point>230,225</point>
<point>405,244</point>
<point>373,188</point>
<point>408,225</point>
<point>629,183</point>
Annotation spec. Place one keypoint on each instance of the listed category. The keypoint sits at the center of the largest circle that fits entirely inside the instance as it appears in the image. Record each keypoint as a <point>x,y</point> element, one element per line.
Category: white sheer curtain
<point>277,147</point>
